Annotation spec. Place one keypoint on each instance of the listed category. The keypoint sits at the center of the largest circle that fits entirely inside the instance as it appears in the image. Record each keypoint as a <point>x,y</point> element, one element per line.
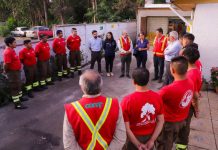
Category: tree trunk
<point>45,12</point>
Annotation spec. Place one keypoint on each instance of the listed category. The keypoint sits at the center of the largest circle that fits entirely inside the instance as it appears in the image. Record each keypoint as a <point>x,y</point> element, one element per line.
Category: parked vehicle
<point>19,31</point>
<point>36,31</point>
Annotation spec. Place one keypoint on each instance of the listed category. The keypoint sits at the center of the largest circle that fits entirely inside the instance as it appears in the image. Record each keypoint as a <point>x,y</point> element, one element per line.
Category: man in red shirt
<point>192,54</point>
<point>28,58</point>
<point>12,68</point>
<point>42,52</point>
<point>143,113</point>
<point>160,43</point>
<point>73,44</point>
<point>59,48</point>
<point>177,99</point>
<point>94,122</point>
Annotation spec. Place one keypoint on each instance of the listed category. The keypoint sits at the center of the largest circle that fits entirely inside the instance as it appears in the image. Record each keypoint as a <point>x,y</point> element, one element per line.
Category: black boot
<point>30,94</point>
<point>50,83</point>
<point>79,72</point>
<point>37,89</point>
<point>44,87</point>
<point>23,99</point>
<point>72,75</point>
<point>59,78</point>
<point>18,105</point>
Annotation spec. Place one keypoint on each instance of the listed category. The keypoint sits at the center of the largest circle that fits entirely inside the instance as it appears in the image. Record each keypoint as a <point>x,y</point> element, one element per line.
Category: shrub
<point>4,31</point>
<point>214,76</point>
<point>11,23</point>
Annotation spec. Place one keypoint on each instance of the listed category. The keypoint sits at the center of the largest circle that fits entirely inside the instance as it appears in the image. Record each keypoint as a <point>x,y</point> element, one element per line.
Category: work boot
<point>79,72</point>
<point>44,87</point>
<point>37,89</point>
<point>50,83</point>
<point>154,79</point>
<point>160,80</point>
<point>59,79</point>
<point>18,105</point>
<point>72,75</point>
<point>122,75</point>
<point>128,76</point>
<point>23,99</point>
<point>30,94</point>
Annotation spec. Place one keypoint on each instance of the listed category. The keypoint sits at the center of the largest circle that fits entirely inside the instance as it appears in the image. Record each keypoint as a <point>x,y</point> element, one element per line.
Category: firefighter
<point>73,44</point>
<point>125,47</point>
<point>142,113</point>
<point>194,74</point>
<point>160,43</point>
<point>12,68</point>
<point>177,99</point>
<point>42,52</point>
<point>94,122</point>
<point>59,48</point>
<point>28,58</point>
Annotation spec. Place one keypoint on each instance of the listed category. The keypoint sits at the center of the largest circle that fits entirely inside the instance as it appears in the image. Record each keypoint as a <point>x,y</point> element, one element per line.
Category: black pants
<point>75,61</point>
<point>141,59</point>
<point>169,134</point>
<point>31,77</point>
<point>183,137</point>
<point>14,81</point>
<point>130,146</point>
<point>168,76</point>
<point>44,72</point>
<point>109,63</point>
<point>96,56</point>
<point>61,60</point>
<point>125,63</point>
<point>158,67</point>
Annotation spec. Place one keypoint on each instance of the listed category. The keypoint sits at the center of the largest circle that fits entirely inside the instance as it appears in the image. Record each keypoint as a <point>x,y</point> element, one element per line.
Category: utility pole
<point>94,7</point>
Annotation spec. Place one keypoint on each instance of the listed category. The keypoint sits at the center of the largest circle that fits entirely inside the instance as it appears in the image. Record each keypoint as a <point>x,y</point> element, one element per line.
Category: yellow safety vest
<point>94,129</point>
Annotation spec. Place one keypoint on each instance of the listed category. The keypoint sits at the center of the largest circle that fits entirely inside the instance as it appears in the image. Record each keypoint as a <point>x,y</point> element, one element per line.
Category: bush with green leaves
<point>4,31</point>
<point>214,76</point>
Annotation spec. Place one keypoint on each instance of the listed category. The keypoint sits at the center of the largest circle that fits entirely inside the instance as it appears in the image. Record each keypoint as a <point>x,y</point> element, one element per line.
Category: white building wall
<point>205,29</point>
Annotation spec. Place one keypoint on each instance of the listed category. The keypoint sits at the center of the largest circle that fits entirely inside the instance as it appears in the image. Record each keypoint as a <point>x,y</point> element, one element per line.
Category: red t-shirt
<point>42,51</point>
<point>74,43</point>
<point>195,75</point>
<point>198,64</point>
<point>177,98</point>
<point>11,59</point>
<point>141,109</point>
<point>59,46</point>
<point>27,56</point>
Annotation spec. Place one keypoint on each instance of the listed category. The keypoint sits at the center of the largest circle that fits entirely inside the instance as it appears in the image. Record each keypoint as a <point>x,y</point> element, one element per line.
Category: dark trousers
<point>31,77</point>
<point>130,146</point>
<point>141,59</point>
<point>158,67</point>
<point>96,56</point>
<point>14,81</point>
<point>168,76</point>
<point>75,61</point>
<point>109,63</point>
<point>61,60</point>
<point>44,72</point>
<point>169,134</point>
<point>125,63</point>
<point>183,137</point>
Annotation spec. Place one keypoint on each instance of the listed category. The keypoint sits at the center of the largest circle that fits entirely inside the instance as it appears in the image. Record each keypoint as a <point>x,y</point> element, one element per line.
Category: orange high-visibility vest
<point>160,46</point>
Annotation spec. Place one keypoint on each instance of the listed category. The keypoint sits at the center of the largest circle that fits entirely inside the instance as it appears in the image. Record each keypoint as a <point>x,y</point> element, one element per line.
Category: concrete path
<point>40,126</point>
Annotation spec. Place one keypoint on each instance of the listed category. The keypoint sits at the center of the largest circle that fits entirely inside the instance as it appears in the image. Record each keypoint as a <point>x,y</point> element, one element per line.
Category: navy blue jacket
<point>109,47</point>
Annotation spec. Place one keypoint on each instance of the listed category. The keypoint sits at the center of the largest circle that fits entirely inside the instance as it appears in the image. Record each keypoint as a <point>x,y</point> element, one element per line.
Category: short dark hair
<point>160,30</point>
<point>141,76</point>
<point>180,64</point>
<point>58,32</point>
<point>189,36</point>
<point>74,29</point>
<point>9,40</point>
<point>42,36</point>
<point>26,42</point>
<point>191,53</point>
<point>94,31</point>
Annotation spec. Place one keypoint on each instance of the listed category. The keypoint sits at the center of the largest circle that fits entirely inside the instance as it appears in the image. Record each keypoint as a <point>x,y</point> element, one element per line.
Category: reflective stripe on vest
<point>94,129</point>
<point>181,147</point>
<point>163,44</point>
